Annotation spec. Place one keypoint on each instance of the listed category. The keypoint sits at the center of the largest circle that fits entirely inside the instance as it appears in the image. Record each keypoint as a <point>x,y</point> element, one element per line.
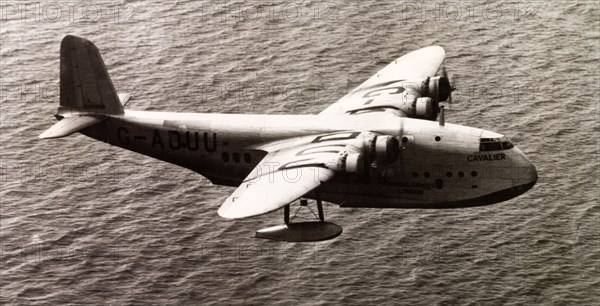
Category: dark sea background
<point>86,223</point>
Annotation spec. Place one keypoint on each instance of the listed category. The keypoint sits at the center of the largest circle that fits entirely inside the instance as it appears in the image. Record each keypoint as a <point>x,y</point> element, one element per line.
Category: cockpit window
<point>506,143</point>
<point>495,144</point>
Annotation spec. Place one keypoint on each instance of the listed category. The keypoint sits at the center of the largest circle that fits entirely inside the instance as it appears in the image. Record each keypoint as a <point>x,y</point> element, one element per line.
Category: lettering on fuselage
<point>174,140</point>
<point>420,185</point>
<point>486,157</point>
<point>414,188</point>
<point>410,191</point>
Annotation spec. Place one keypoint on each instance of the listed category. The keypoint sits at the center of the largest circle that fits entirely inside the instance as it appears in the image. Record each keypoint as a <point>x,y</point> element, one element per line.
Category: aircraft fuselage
<point>438,167</point>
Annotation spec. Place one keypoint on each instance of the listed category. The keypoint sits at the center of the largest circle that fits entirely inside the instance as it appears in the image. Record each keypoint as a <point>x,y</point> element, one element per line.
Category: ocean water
<point>85,223</point>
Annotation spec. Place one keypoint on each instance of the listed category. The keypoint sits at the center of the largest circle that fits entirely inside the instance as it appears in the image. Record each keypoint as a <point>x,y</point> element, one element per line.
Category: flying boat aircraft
<point>383,145</point>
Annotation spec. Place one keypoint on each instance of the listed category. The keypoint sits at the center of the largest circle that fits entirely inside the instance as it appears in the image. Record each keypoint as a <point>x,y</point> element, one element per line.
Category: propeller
<point>452,85</point>
<point>448,88</point>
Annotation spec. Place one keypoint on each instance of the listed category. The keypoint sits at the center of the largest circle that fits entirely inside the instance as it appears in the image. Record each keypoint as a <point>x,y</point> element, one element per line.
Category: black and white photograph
<point>313,152</point>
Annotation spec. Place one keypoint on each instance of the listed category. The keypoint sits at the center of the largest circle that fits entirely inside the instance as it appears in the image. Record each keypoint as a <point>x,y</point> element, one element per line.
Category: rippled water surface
<point>85,223</point>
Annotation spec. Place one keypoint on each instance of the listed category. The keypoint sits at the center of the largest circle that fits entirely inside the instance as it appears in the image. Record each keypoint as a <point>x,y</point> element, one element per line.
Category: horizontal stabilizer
<point>70,125</point>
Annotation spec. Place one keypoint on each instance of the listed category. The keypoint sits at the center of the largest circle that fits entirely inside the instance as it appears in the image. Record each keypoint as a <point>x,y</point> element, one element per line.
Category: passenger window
<point>247,158</point>
<point>225,157</point>
<point>236,157</point>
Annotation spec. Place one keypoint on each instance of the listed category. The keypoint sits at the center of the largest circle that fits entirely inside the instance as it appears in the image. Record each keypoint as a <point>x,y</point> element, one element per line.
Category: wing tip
<point>436,49</point>
<point>230,212</point>
<point>223,213</point>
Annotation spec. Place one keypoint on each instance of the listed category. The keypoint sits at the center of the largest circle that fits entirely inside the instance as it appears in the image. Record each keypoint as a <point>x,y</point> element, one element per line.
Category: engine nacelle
<point>387,150</point>
<point>349,163</point>
<point>437,88</point>
<point>355,163</point>
<point>377,151</point>
<point>422,97</point>
<point>425,108</point>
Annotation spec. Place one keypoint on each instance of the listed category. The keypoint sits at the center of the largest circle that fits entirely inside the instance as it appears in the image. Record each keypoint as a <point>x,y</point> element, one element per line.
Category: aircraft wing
<point>291,169</point>
<point>272,191</point>
<point>382,89</point>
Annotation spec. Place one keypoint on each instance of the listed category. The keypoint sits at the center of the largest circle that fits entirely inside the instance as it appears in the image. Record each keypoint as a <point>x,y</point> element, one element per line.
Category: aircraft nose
<point>532,174</point>
<point>528,174</point>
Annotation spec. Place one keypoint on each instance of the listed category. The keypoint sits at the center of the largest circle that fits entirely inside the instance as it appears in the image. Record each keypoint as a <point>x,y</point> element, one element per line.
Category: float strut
<point>286,214</point>
<point>320,209</point>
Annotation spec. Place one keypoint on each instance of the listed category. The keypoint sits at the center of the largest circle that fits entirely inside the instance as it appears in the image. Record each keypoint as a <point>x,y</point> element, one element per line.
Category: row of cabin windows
<point>236,157</point>
<point>439,183</point>
<point>448,174</point>
<point>485,144</point>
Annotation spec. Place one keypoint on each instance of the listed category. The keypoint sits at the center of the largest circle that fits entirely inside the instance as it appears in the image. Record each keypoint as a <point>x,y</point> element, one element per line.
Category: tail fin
<point>85,86</point>
<point>86,91</point>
